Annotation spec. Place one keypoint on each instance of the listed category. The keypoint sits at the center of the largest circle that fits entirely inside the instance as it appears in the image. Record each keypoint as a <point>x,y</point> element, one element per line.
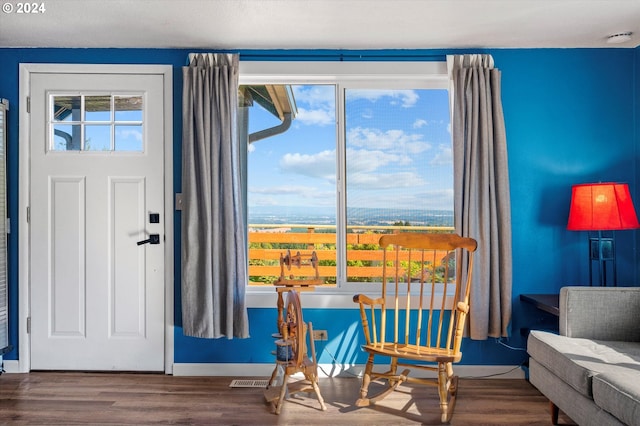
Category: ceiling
<point>320,24</point>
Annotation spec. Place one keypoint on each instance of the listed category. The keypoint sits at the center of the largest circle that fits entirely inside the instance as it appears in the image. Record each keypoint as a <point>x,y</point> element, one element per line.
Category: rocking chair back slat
<point>428,276</point>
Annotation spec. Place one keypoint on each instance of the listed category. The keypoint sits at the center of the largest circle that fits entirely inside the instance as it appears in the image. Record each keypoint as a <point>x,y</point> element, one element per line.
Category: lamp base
<point>602,251</point>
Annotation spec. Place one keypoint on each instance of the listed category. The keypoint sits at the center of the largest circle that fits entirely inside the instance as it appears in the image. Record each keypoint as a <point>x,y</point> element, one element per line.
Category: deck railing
<point>364,257</point>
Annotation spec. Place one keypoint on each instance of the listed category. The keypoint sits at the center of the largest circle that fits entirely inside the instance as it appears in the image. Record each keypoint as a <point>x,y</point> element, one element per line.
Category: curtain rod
<point>283,55</point>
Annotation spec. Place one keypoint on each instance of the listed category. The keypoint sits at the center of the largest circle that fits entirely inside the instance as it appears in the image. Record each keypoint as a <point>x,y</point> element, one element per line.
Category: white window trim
<point>414,74</point>
<point>344,75</point>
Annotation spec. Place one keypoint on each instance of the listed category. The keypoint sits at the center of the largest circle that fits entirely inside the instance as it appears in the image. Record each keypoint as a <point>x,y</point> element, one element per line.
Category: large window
<point>337,154</point>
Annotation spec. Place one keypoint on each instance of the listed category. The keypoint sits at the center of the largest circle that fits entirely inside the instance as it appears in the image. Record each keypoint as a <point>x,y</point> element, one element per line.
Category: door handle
<point>153,239</point>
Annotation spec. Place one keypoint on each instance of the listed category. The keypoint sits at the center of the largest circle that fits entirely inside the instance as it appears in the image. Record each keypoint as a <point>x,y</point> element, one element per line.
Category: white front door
<point>96,191</point>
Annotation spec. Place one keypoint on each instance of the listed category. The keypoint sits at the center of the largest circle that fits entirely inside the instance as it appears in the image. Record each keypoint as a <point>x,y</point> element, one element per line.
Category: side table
<point>545,302</point>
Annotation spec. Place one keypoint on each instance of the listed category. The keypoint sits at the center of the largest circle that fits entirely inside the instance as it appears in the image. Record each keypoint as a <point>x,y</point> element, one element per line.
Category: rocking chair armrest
<point>463,307</point>
<point>366,300</point>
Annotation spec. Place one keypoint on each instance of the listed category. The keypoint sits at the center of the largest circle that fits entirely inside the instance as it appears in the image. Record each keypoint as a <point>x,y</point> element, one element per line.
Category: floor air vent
<point>244,383</point>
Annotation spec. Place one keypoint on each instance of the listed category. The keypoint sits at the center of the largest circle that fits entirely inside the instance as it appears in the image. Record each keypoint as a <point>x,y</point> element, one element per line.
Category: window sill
<point>322,298</point>
<point>318,298</point>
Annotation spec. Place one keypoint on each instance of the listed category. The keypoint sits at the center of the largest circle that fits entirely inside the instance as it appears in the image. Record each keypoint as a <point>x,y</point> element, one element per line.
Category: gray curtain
<point>214,266</point>
<point>482,200</point>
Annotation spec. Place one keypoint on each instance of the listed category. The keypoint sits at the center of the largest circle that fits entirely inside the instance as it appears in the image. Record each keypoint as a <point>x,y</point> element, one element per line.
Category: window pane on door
<point>66,108</point>
<point>128,138</point>
<point>66,137</point>
<point>128,108</point>
<point>97,138</point>
<point>97,108</point>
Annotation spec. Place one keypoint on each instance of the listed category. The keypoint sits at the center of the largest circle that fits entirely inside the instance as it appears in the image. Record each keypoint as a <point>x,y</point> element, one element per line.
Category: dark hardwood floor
<point>135,399</point>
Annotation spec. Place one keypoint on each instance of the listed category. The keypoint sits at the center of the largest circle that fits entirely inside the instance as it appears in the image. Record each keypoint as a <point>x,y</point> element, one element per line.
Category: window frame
<point>343,75</point>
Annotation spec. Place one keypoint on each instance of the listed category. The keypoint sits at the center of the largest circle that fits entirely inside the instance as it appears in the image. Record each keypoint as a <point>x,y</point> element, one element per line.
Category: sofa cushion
<point>602,313</point>
<point>619,394</point>
<point>575,361</point>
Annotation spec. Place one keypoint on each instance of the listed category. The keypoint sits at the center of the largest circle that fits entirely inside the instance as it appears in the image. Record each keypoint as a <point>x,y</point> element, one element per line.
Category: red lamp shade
<point>601,207</point>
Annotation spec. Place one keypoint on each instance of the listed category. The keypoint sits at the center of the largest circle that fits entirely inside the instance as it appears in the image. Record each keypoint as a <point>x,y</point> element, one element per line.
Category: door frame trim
<point>24,264</point>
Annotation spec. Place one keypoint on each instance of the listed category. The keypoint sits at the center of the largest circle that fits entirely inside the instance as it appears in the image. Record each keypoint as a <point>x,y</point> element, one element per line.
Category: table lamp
<point>602,207</point>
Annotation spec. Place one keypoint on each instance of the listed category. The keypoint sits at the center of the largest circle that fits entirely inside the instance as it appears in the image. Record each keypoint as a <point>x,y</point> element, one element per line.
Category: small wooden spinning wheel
<point>293,329</point>
<point>305,264</point>
<point>292,357</point>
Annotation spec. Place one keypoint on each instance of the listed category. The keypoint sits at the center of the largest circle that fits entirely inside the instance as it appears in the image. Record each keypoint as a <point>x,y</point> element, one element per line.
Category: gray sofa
<point>591,369</point>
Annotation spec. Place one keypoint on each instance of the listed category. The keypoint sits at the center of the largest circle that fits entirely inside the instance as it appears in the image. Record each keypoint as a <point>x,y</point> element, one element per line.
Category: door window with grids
<point>96,122</point>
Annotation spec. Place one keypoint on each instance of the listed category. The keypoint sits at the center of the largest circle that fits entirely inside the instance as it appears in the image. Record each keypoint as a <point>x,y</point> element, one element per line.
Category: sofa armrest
<point>601,313</point>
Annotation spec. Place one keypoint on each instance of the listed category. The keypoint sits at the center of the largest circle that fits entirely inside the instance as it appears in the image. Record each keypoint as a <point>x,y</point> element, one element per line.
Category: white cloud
<point>404,197</point>
<point>391,140</point>
<point>379,181</point>
<point>363,168</point>
<point>438,199</point>
<point>291,195</point>
<point>126,134</point>
<point>279,190</point>
<point>315,117</point>
<point>317,95</point>
<point>315,104</point>
<point>378,170</point>
<point>364,160</point>
<point>406,98</point>
<point>320,165</point>
<point>367,113</point>
<point>444,156</point>
<point>265,201</point>
<point>419,123</point>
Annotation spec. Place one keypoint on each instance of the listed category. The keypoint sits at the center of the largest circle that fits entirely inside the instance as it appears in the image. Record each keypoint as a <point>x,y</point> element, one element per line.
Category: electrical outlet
<point>320,335</point>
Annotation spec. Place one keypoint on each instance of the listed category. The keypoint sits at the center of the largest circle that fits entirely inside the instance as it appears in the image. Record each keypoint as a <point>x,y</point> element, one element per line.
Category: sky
<point>398,151</point>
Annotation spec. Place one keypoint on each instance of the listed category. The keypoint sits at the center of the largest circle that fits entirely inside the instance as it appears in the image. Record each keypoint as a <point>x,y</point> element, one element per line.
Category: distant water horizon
<point>361,216</point>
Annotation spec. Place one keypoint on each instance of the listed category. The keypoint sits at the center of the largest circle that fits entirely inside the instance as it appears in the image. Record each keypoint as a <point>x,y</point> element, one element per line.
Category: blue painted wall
<point>571,117</point>
<point>636,151</point>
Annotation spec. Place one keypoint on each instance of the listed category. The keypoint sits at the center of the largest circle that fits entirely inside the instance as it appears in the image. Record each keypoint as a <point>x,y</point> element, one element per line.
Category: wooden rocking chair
<point>422,317</point>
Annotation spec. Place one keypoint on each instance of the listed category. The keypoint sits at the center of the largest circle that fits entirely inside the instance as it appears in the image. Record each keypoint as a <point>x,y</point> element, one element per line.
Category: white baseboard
<point>11,366</point>
<point>331,370</point>
<point>324,370</point>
